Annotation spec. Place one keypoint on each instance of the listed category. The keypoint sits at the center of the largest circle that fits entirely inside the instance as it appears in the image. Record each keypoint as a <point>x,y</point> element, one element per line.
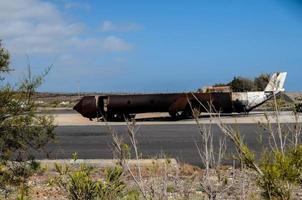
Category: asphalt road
<point>175,140</point>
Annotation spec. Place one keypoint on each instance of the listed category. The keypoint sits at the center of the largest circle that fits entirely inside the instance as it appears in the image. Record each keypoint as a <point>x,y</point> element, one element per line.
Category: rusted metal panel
<point>141,103</point>
<point>173,103</point>
<point>215,102</point>
<point>179,104</point>
<point>87,107</point>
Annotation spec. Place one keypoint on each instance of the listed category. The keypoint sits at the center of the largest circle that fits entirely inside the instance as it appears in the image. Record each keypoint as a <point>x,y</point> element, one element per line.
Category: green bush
<point>13,177</point>
<point>22,131</point>
<point>80,185</point>
<point>281,172</point>
<point>132,194</point>
<point>112,187</point>
<point>241,84</point>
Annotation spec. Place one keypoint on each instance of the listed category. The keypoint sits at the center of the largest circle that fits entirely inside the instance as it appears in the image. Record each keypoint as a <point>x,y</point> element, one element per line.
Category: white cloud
<point>109,26</point>
<point>35,26</point>
<point>76,5</point>
<point>27,9</point>
<point>38,28</point>
<point>113,43</point>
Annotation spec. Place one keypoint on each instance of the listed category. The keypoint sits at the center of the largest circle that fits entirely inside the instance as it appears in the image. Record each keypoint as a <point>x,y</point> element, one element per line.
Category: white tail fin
<point>276,83</point>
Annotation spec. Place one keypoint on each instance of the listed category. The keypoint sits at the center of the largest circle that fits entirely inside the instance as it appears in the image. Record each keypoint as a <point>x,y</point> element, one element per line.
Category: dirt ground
<point>73,119</point>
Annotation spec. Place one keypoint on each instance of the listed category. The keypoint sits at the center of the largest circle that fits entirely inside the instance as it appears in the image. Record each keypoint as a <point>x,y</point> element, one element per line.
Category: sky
<point>151,46</point>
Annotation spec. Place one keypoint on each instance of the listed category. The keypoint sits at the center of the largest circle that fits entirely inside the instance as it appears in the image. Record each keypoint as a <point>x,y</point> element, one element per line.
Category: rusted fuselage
<point>118,106</point>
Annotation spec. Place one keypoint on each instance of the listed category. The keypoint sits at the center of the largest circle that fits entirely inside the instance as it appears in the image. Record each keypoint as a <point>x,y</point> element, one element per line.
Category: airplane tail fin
<point>276,83</point>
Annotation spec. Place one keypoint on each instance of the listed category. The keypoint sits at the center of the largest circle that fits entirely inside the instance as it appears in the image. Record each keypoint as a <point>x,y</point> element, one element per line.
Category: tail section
<point>276,83</point>
<point>249,100</point>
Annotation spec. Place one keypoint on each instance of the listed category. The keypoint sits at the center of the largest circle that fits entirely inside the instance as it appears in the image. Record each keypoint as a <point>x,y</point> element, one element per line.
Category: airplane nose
<point>87,107</point>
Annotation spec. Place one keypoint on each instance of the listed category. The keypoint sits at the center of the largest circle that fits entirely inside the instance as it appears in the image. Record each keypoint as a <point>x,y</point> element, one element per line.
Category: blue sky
<point>152,46</point>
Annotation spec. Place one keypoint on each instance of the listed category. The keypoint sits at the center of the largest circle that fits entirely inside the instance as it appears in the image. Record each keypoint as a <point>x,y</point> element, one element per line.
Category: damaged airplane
<point>118,107</point>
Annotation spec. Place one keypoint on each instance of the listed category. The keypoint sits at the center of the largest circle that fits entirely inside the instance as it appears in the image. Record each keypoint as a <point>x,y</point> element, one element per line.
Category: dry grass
<point>183,182</point>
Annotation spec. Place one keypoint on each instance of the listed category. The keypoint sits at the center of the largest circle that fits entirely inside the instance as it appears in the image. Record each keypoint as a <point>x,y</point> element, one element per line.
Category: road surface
<point>155,140</point>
